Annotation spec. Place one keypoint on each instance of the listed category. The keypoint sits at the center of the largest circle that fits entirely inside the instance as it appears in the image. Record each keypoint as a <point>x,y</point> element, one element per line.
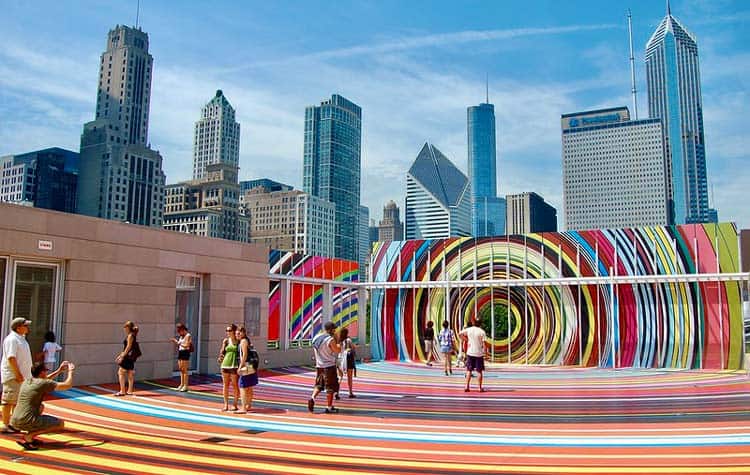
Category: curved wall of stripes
<point>306,300</point>
<point>670,325</point>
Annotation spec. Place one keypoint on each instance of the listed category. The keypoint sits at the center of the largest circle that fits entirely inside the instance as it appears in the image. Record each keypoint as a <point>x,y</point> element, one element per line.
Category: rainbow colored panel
<point>646,325</point>
<point>306,300</point>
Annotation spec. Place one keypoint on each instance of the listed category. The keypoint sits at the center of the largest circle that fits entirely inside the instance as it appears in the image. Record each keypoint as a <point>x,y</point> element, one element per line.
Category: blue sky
<point>413,67</point>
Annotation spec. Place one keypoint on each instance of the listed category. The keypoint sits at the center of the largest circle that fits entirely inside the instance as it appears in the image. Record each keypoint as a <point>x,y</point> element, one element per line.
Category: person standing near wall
<point>325,348</point>
<point>131,350</point>
<point>247,370</point>
<point>475,351</point>
<point>229,362</point>
<point>446,347</point>
<point>15,368</point>
<point>49,350</point>
<point>429,339</point>
<point>184,348</point>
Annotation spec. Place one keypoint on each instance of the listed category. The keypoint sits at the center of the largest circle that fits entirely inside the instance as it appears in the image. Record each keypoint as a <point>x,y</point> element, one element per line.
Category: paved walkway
<point>409,419</point>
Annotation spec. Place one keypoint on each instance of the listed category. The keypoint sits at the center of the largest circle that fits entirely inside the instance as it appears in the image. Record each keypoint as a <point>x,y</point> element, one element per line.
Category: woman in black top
<point>429,338</point>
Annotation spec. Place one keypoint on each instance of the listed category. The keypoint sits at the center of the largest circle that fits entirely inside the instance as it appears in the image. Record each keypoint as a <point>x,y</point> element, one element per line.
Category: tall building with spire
<point>488,211</point>
<point>217,136</point>
<point>209,205</point>
<point>674,96</point>
<point>332,164</point>
<point>120,176</point>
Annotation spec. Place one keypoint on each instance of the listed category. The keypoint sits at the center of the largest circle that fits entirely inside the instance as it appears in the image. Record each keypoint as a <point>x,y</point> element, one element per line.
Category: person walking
<point>429,338</point>
<point>49,349</point>
<point>247,370</point>
<point>229,361</point>
<point>184,349</point>
<point>131,350</point>
<point>28,415</point>
<point>474,337</point>
<point>325,348</point>
<point>15,368</point>
<point>445,338</point>
<point>346,363</point>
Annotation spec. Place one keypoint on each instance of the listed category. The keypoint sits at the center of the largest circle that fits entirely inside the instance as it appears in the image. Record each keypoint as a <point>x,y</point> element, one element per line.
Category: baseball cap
<point>17,322</point>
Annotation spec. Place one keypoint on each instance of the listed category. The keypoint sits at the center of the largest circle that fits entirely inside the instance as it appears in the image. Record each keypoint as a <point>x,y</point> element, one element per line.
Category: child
<point>49,349</point>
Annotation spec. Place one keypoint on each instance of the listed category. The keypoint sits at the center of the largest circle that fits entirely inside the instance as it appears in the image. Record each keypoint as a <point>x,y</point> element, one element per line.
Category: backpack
<point>135,351</point>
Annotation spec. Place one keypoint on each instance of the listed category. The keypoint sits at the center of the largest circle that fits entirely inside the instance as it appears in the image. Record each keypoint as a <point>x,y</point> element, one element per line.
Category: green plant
<point>501,320</point>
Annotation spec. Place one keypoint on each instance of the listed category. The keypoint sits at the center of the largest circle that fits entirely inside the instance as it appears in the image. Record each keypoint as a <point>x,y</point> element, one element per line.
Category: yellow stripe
<point>25,467</point>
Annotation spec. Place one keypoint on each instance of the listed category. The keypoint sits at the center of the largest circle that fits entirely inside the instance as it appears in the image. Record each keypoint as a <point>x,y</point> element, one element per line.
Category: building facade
<point>364,242</point>
<point>391,228</point>
<point>290,220</point>
<point>332,164</point>
<point>120,176</point>
<point>44,179</point>
<point>438,197</point>
<point>529,213</point>
<point>217,136</point>
<point>488,211</point>
<point>614,172</point>
<point>674,96</point>
<point>208,206</point>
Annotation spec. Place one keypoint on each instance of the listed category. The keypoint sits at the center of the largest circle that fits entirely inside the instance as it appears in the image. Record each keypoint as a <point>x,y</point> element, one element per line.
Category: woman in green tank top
<point>228,360</point>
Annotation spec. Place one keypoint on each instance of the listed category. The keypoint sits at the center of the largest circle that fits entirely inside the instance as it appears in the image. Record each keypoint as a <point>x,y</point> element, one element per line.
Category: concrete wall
<point>115,272</point>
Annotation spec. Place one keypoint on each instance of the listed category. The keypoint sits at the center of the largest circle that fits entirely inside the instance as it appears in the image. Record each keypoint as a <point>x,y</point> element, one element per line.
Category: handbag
<point>246,370</point>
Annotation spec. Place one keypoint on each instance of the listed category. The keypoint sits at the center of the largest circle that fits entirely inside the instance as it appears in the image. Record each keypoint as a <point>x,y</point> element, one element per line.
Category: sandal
<point>9,430</point>
<point>240,412</point>
<point>119,394</point>
<point>27,445</point>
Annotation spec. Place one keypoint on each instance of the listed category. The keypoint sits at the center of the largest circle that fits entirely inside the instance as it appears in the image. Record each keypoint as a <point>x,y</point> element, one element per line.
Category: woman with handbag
<point>184,348</point>
<point>247,371</point>
<point>446,346</point>
<point>126,359</point>
<point>229,361</point>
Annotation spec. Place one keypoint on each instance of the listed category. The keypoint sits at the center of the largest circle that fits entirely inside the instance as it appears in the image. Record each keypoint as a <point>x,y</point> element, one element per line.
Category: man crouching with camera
<point>27,416</point>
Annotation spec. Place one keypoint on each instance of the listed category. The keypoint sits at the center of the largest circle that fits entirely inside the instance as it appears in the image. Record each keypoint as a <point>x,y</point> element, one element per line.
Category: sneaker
<point>332,410</point>
<point>352,396</point>
<point>9,429</point>
<point>336,396</point>
<point>183,390</point>
<point>446,373</point>
<point>311,404</point>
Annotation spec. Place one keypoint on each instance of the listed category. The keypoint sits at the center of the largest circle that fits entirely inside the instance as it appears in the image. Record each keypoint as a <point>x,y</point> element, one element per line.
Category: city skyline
<point>413,82</point>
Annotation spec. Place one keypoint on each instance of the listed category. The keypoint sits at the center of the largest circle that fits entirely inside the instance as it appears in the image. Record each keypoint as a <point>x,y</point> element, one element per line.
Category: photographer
<point>27,416</point>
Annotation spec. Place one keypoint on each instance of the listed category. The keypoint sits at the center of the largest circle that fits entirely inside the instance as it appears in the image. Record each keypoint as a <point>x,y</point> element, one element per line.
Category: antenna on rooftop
<point>632,67</point>
<point>137,13</point>
<point>487,86</point>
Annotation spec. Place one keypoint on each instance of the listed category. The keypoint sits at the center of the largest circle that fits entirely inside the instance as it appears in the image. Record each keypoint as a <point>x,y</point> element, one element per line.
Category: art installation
<point>679,318</point>
<point>306,301</point>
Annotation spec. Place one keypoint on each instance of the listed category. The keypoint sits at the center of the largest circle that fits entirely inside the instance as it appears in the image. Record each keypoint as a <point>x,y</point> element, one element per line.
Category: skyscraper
<point>217,136</point>
<point>44,178</point>
<point>209,205</point>
<point>391,228</point>
<point>488,211</point>
<point>674,96</point>
<point>120,176</point>
<point>529,213</point>
<point>438,201</point>
<point>332,162</point>
<point>613,170</point>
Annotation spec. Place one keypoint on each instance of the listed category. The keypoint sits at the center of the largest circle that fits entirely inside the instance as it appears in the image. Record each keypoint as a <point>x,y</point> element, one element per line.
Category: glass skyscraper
<point>488,211</point>
<point>332,163</point>
<point>674,96</point>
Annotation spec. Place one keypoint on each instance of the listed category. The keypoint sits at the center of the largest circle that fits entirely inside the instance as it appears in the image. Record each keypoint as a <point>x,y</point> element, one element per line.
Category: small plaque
<point>44,245</point>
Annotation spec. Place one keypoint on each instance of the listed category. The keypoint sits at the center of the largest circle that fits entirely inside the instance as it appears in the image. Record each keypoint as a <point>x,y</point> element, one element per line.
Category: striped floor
<point>409,419</point>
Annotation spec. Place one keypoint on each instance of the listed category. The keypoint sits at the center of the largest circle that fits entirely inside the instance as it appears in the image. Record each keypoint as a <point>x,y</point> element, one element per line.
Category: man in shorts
<point>325,348</point>
<point>15,368</point>
<point>474,337</point>
<point>27,416</point>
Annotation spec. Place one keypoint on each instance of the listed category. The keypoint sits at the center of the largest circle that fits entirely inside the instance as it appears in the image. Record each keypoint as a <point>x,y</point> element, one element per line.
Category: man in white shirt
<point>326,347</point>
<point>475,350</point>
<point>14,368</point>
